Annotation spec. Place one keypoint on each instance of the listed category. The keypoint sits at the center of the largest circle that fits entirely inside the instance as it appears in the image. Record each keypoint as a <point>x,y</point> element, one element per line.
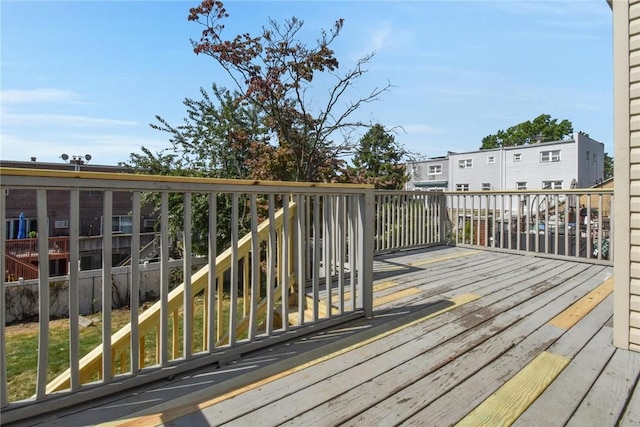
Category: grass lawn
<point>22,345</point>
<point>22,350</point>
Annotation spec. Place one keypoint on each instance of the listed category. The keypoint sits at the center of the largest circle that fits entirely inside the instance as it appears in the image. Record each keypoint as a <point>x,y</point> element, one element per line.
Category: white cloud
<point>105,149</point>
<point>64,120</point>
<point>380,38</point>
<point>420,128</point>
<point>15,96</point>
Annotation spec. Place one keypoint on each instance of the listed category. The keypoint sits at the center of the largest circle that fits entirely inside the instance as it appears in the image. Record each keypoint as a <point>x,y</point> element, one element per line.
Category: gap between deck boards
<point>177,408</point>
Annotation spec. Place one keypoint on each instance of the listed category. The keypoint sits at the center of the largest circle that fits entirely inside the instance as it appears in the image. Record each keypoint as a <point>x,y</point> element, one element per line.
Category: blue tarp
<point>22,227</point>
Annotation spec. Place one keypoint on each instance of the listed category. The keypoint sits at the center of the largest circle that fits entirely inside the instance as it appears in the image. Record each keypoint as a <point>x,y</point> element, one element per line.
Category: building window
<point>95,193</point>
<point>588,155</point>
<point>517,157</point>
<point>551,185</point>
<point>521,185</point>
<point>465,163</point>
<point>491,159</point>
<point>486,186</point>
<point>462,187</point>
<point>435,169</point>
<point>595,158</point>
<point>122,224</point>
<point>550,156</point>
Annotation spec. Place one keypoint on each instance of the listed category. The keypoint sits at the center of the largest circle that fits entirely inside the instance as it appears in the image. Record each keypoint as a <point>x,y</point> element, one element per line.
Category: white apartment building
<point>571,163</point>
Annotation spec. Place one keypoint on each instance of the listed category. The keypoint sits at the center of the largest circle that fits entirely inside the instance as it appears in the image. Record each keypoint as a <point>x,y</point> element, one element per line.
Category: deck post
<point>442,219</point>
<point>4,400</point>
<point>366,267</point>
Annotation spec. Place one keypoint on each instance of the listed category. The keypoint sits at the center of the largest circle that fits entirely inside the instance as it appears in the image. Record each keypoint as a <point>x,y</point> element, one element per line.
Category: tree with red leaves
<point>274,72</point>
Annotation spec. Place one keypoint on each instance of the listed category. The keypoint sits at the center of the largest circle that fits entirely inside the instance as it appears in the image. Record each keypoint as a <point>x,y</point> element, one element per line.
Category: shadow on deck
<point>459,336</point>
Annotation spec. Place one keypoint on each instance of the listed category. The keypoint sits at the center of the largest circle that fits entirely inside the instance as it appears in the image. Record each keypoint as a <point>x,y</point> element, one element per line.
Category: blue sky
<point>87,77</point>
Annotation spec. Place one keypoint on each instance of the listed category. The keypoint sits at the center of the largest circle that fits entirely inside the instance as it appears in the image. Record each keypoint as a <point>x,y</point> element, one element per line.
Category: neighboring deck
<point>459,335</point>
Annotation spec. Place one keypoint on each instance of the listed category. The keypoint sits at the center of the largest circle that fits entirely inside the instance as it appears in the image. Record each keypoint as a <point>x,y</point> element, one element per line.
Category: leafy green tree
<point>542,128</point>
<point>219,138</point>
<point>378,160</point>
<point>273,72</point>
<point>608,166</point>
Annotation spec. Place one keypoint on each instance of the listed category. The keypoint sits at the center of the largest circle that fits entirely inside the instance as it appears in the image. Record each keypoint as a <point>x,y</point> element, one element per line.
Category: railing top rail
<point>577,191</point>
<point>45,178</point>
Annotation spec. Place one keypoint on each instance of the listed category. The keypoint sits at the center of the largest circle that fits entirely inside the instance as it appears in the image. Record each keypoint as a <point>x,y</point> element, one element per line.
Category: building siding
<point>626,68</point>
<point>505,173</point>
<point>634,169</point>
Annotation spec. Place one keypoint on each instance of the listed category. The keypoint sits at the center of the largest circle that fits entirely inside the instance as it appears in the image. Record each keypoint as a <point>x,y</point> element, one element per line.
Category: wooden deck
<point>459,336</point>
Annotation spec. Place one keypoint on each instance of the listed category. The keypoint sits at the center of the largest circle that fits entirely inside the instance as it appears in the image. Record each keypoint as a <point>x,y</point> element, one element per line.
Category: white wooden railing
<point>573,224</point>
<point>408,219</point>
<point>308,260</point>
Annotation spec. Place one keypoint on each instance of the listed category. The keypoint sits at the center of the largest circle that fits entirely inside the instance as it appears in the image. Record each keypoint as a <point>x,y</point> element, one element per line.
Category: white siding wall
<point>634,172</point>
<point>505,172</point>
<point>481,171</point>
<point>534,172</point>
<point>591,170</point>
<point>419,173</point>
<point>626,68</point>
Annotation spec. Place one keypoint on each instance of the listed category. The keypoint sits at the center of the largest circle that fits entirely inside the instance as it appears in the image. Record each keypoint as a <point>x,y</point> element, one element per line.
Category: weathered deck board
<point>609,395</point>
<point>441,355</point>
<point>332,388</point>
<point>452,327</point>
<point>558,402</point>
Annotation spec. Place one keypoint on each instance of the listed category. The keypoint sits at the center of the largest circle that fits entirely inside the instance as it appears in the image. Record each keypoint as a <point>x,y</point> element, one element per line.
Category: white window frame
<point>521,185</point>
<point>485,186</point>
<point>465,163</point>
<point>491,159</point>
<point>552,185</point>
<point>61,224</point>
<point>517,157</point>
<point>462,187</point>
<point>437,169</point>
<point>116,224</point>
<point>549,156</point>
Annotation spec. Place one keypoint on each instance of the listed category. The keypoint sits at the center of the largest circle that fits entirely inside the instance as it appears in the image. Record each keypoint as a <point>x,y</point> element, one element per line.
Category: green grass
<point>22,351</point>
<point>22,346</point>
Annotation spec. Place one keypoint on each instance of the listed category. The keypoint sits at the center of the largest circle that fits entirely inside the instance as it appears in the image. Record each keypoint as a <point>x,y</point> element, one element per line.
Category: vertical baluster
<point>233,303</point>
<point>4,400</point>
<point>301,254</point>
<point>285,260</point>
<point>271,265</point>
<point>161,342</point>
<point>74,289</point>
<point>107,253</point>
<point>210,315</point>
<point>187,302</point>
<point>315,283</point>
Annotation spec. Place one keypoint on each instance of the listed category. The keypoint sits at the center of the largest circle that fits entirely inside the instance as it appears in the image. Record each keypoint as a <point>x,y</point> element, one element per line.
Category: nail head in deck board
<point>611,391</point>
<point>577,311</point>
<point>557,403</point>
<point>506,404</point>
